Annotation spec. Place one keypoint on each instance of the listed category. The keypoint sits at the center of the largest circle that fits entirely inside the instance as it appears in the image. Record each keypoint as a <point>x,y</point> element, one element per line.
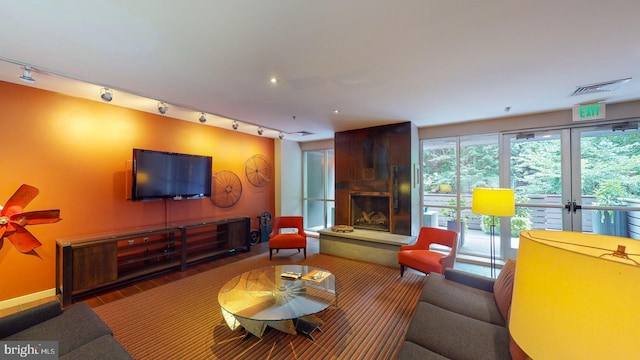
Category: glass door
<point>583,179</point>
<point>606,180</point>
<point>539,166</point>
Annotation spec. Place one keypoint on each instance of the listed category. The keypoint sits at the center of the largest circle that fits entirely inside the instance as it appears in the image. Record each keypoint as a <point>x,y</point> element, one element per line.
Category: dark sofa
<point>79,331</point>
<point>462,316</point>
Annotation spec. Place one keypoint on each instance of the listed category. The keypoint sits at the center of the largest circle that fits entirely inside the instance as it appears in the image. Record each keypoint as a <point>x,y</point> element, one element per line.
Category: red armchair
<point>287,238</point>
<point>419,256</point>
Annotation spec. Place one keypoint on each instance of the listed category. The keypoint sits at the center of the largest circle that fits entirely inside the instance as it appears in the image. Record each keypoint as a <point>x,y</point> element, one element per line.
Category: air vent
<point>600,87</point>
<point>301,133</point>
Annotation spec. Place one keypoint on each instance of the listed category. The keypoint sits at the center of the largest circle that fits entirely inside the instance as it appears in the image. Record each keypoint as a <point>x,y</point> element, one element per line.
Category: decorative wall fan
<point>226,189</point>
<point>258,170</point>
<point>13,220</point>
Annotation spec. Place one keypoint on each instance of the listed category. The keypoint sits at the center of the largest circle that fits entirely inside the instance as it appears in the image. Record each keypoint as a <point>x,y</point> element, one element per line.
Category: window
<point>319,189</point>
<point>452,168</point>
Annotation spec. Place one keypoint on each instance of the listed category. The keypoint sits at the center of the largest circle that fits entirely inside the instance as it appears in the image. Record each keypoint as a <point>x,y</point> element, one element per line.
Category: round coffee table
<point>284,297</point>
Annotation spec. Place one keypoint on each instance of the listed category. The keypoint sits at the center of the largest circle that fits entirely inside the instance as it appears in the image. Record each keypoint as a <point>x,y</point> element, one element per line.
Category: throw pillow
<point>503,288</point>
<point>288,231</point>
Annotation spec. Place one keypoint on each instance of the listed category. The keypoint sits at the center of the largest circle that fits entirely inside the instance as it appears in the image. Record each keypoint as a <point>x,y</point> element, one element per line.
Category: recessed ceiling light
<point>336,111</point>
<point>273,80</point>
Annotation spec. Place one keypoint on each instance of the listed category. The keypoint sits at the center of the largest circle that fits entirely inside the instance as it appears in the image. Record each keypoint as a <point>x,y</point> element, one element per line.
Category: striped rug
<point>182,319</point>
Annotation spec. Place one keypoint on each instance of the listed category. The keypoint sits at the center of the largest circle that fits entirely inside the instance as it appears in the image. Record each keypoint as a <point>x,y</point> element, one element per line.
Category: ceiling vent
<point>302,133</point>
<point>600,87</point>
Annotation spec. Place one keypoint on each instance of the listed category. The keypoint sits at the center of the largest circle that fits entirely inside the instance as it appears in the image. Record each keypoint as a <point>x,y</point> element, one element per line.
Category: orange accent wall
<point>75,151</point>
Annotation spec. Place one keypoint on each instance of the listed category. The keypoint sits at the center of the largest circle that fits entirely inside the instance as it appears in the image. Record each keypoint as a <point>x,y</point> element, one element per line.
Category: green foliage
<point>518,224</point>
<point>452,213</point>
<point>611,192</point>
<point>479,165</point>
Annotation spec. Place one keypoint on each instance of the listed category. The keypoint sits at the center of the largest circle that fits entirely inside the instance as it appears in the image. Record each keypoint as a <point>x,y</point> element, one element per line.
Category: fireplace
<point>377,178</point>
<point>370,211</point>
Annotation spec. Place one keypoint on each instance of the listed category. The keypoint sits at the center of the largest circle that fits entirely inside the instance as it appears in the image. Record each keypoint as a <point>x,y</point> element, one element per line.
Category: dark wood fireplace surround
<point>380,162</point>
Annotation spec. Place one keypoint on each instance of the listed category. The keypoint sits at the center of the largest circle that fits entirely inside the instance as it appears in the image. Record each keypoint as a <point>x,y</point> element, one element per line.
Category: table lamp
<point>493,202</point>
<point>576,296</point>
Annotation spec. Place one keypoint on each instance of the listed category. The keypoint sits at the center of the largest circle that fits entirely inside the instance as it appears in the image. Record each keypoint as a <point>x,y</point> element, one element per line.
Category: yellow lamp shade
<point>576,296</point>
<point>494,202</point>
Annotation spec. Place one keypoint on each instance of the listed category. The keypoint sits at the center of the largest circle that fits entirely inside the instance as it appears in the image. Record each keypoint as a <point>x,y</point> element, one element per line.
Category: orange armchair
<point>419,256</point>
<point>287,239</point>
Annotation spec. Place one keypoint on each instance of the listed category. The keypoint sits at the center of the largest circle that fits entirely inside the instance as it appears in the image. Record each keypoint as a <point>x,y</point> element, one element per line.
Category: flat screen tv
<point>161,175</point>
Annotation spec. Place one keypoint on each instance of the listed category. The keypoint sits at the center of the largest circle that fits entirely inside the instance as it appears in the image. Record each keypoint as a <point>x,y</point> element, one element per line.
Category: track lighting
<point>162,108</point>
<point>106,94</point>
<point>281,135</point>
<point>260,130</point>
<point>26,75</point>
<point>203,119</point>
<point>235,125</point>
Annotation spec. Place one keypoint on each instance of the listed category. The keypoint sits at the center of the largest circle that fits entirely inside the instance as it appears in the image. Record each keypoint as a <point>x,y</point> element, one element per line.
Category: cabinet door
<point>94,265</point>
<point>238,234</point>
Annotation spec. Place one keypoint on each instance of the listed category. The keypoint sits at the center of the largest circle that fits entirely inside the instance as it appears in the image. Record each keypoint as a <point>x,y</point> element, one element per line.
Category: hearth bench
<point>79,331</point>
<point>462,316</point>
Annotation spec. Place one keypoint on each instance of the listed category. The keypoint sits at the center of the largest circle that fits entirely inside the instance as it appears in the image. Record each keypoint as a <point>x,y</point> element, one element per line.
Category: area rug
<point>182,319</point>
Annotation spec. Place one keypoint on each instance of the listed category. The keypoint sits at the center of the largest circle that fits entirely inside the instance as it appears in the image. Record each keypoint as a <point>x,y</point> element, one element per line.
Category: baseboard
<point>27,298</point>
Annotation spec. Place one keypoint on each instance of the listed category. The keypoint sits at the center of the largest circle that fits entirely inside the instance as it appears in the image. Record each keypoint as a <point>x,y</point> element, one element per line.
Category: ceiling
<point>377,62</point>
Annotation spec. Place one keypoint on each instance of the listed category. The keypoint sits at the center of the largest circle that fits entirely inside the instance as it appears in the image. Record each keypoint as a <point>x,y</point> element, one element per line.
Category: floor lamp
<point>493,202</point>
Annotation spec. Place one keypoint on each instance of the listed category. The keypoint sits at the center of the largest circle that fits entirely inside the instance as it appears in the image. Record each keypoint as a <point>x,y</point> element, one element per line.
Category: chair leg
<point>401,270</point>
<point>270,253</point>
<point>305,253</point>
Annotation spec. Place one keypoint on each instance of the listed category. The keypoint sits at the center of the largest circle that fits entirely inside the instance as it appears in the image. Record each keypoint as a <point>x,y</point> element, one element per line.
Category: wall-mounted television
<point>161,175</point>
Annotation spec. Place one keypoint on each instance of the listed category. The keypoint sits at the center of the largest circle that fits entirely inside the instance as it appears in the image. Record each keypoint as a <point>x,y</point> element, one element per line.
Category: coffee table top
<point>264,294</point>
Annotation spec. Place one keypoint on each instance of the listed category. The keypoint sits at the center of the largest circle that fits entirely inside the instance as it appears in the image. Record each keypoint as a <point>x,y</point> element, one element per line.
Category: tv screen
<point>160,175</point>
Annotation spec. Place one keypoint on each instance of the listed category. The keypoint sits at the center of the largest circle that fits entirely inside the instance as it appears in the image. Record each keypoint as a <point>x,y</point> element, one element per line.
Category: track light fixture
<point>203,119</point>
<point>235,125</point>
<point>281,135</point>
<point>26,75</point>
<point>162,108</point>
<point>260,130</point>
<point>106,94</point>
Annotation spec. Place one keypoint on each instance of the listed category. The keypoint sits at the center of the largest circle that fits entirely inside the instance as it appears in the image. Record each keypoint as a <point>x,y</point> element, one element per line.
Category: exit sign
<point>589,112</point>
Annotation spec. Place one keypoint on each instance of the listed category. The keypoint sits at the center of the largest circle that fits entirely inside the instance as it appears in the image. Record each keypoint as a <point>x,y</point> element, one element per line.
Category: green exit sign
<point>589,112</point>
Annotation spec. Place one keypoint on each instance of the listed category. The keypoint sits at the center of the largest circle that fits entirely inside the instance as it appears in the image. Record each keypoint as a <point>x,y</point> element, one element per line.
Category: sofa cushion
<point>457,336</point>
<point>503,287</point>
<point>24,319</point>
<point>76,326</point>
<point>104,347</point>
<point>412,351</point>
<point>462,299</point>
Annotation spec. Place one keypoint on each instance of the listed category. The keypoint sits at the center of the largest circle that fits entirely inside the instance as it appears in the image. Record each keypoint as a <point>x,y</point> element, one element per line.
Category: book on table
<point>291,275</point>
<point>316,275</point>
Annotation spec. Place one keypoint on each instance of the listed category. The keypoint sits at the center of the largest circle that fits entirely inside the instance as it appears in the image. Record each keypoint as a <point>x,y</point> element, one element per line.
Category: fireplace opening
<point>370,211</point>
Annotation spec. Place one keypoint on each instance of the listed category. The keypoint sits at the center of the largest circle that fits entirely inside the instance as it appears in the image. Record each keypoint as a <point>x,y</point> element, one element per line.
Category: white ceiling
<point>377,61</point>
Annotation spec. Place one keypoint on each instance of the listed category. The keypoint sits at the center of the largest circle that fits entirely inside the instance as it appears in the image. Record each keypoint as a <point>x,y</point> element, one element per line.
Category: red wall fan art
<point>13,220</point>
